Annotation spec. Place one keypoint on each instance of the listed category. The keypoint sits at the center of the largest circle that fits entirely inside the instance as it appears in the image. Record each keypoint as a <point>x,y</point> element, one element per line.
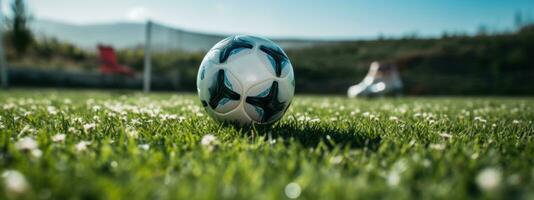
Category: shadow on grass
<point>311,135</point>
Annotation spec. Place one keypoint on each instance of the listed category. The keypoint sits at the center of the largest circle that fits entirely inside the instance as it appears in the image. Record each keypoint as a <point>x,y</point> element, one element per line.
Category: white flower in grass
<point>480,119</point>
<point>352,113</point>
<point>135,122</point>
<point>51,110</point>
<point>373,117</point>
<point>27,113</point>
<point>111,115</point>
<point>292,190</point>
<point>272,141</point>
<point>73,130</point>
<point>393,118</point>
<point>439,147</point>
<point>67,101</point>
<point>9,106</point>
<point>26,144</point>
<point>131,132</point>
<point>412,142</point>
<point>516,121</point>
<point>314,120</point>
<point>114,164</point>
<point>400,166</point>
<point>308,119</point>
<point>89,126</point>
<point>489,179</point>
<point>96,108</point>
<point>37,153</point>
<point>393,179</point>
<point>14,182</point>
<point>82,145</point>
<point>2,125</point>
<point>165,117</point>
<point>58,138</point>
<point>145,147</point>
<point>77,120</point>
<point>336,160</point>
<point>209,141</point>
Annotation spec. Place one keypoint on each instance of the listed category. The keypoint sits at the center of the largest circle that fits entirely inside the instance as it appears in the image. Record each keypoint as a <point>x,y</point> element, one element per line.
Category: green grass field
<point>121,145</point>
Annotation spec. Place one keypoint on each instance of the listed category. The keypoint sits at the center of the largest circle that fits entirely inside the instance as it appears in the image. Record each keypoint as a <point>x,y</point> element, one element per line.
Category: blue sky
<point>296,18</point>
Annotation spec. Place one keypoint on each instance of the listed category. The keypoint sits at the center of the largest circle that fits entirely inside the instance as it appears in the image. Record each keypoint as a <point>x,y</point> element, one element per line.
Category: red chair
<point>108,62</point>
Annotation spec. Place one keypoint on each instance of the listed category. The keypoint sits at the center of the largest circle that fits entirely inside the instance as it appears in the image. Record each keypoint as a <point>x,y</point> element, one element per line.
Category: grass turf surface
<point>93,145</point>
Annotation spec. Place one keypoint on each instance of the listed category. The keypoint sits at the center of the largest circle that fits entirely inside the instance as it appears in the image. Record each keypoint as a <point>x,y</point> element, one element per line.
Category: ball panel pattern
<point>276,57</point>
<point>267,104</point>
<point>224,92</point>
<point>260,89</point>
<point>233,46</point>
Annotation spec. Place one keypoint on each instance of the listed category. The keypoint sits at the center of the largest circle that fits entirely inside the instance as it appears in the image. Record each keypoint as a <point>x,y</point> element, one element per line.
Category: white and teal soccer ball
<point>246,79</point>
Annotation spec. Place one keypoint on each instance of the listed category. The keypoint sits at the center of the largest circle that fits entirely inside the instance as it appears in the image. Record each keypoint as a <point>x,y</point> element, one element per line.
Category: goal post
<point>147,71</point>
<point>3,65</point>
<point>163,41</point>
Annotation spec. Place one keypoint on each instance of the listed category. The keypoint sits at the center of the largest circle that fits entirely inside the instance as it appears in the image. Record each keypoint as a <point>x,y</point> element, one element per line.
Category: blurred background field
<point>488,61</point>
<point>484,64</point>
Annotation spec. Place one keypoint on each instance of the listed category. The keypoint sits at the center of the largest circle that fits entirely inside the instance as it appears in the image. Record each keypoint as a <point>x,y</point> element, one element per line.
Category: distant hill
<point>120,35</point>
<point>129,35</point>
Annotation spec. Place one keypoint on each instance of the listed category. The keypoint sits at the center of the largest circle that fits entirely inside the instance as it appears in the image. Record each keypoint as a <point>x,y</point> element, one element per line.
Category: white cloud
<point>137,13</point>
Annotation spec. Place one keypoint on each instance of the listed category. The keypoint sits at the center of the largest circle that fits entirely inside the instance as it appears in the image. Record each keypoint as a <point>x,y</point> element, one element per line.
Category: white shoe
<point>381,80</point>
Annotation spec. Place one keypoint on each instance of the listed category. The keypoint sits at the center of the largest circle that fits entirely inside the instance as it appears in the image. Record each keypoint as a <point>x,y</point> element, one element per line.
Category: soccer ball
<point>246,79</point>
